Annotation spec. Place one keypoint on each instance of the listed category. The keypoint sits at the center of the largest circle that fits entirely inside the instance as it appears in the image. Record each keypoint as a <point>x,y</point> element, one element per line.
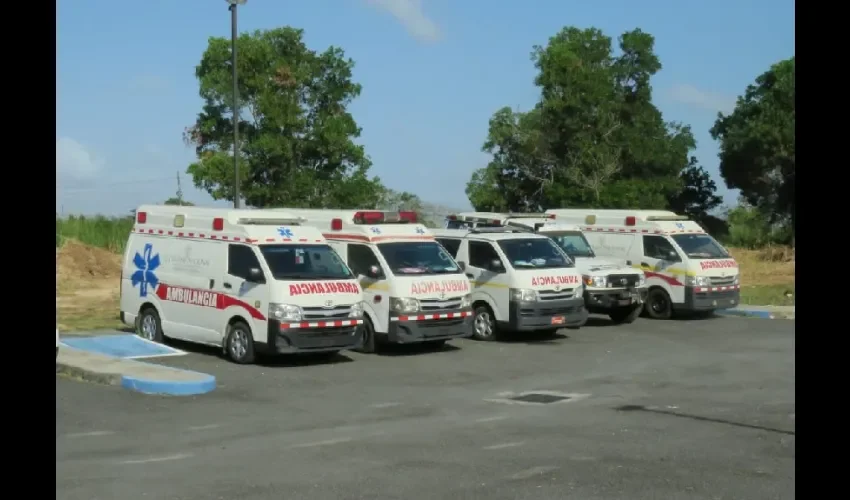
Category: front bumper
<point>545,314</point>
<point>442,325</point>
<point>702,298</point>
<point>312,336</point>
<point>606,300</point>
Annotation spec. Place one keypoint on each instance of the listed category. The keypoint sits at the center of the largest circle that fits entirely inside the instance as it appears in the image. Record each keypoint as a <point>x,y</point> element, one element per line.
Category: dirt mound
<point>76,261</point>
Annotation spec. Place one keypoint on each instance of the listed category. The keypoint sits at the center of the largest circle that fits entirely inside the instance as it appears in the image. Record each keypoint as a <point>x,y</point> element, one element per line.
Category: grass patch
<point>767,275</point>
<point>767,295</point>
<point>108,233</point>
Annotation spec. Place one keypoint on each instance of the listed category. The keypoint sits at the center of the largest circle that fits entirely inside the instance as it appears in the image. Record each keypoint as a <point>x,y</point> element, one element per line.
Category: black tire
<point>625,315</point>
<point>370,345</point>
<point>239,345</point>
<point>149,326</point>
<point>483,315</point>
<point>658,304</point>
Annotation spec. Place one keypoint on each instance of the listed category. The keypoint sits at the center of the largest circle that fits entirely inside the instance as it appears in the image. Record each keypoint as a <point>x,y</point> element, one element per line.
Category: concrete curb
<point>756,313</point>
<point>146,378</point>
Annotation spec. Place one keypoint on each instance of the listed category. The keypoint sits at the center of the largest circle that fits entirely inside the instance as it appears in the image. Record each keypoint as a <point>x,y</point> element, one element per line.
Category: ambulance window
<point>240,260</point>
<point>481,254</point>
<point>657,247</point>
<point>452,246</point>
<point>361,258</point>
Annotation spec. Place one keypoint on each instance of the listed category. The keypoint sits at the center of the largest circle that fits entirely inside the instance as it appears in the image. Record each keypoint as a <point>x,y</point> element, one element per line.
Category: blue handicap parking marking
<point>125,346</point>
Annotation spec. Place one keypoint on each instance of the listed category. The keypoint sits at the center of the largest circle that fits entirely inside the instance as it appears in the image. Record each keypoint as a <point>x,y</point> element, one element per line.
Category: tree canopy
<point>297,139</point>
<point>757,143</point>
<point>594,139</point>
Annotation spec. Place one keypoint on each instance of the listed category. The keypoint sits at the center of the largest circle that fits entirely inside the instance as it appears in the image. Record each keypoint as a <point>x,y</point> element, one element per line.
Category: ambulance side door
<point>245,292</point>
<point>488,280</point>
<point>376,301</point>
<point>657,257</point>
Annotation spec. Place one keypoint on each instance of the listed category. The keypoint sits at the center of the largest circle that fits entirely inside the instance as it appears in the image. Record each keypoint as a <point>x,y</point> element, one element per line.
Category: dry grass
<point>87,281</point>
<point>767,275</point>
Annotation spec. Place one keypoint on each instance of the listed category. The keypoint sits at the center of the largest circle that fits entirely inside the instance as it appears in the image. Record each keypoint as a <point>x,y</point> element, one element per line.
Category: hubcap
<point>148,327</point>
<point>659,304</point>
<point>238,343</point>
<point>482,325</point>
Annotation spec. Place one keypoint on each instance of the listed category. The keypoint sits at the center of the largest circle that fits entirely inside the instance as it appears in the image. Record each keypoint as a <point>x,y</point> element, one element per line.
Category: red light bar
<point>550,216</point>
<point>336,224</point>
<point>408,216</point>
<point>368,217</point>
<point>141,217</point>
<point>218,224</point>
<point>451,217</point>
<point>630,220</point>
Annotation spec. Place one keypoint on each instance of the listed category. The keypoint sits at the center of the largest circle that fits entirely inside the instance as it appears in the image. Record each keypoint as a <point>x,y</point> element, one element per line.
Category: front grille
<point>566,293</point>
<point>718,281</point>
<point>321,313</point>
<point>547,311</point>
<point>439,304</point>
<point>623,280</point>
<point>439,323</point>
<point>724,294</point>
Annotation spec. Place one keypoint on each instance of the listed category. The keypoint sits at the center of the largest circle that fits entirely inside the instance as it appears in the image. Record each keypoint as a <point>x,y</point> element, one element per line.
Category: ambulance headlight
<point>285,312</point>
<point>595,281</point>
<point>404,304</point>
<point>356,310</point>
<point>579,291</point>
<point>698,281</point>
<point>524,295</point>
<point>466,301</point>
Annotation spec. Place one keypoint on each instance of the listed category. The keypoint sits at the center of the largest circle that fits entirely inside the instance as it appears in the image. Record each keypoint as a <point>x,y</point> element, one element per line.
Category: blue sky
<point>433,71</point>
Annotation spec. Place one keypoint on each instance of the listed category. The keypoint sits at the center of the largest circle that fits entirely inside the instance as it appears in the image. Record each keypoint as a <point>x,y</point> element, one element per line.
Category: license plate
<point>625,302</point>
<point>558,320</point>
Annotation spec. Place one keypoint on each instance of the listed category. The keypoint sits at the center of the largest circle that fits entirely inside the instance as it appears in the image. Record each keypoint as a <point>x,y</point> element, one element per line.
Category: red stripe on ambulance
<point>204,298</point>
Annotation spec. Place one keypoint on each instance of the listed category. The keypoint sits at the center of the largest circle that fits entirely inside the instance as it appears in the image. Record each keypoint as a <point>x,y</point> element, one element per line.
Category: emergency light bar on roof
<point>377,217</point>
<point>500,219</point>
<point>271,222</point>
<point>659,218</point>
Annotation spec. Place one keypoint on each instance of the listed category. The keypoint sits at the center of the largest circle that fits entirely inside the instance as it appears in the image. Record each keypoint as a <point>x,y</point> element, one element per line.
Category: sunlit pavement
<point>700,409</point>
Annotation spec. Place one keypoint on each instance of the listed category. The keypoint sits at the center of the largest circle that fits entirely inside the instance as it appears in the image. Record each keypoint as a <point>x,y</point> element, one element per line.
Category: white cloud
<point>410,14</point>
<point>692,96</point>
<point>75,160</point>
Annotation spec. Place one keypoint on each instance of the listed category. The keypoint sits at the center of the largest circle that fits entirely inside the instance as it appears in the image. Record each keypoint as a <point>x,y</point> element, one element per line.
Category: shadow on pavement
<point>396,350</point>
<point>639,408</point>
<point>271,361</point>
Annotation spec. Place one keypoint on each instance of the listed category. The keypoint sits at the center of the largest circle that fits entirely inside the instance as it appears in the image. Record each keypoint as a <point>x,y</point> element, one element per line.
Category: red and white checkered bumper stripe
<point>718,288</point>
<point>424,317</point>
<point>322,324</point>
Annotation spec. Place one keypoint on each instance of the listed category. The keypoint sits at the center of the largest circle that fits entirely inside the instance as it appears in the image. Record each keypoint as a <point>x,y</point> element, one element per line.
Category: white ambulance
<point>609,288</point>
<point>249,281</point>
<point>686,269</point>
<point>521,281</point>
<point>414,291</point>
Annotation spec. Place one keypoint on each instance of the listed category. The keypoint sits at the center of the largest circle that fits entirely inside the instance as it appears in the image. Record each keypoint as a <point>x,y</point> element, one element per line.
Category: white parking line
<point>385,405</point>
<point>491,419</point>
<point>178,456</point>
<point>89,434</point>
<point>322,443</point>
<point>504,445</point>
<point>204,427</point>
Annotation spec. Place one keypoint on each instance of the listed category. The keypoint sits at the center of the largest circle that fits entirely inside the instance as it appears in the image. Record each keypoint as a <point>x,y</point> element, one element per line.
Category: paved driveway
<point>700,409</point>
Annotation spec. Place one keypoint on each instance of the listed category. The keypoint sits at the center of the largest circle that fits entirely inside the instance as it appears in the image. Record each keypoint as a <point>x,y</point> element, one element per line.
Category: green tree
<point>177,201</point>
<point>296,137</point>
<point>757,143</point>
<point>594,139</point>
<point>698,196</point>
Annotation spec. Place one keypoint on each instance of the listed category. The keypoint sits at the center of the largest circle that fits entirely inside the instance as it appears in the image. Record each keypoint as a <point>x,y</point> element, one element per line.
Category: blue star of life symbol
<point>419,230</point>
<point>285,232</point>
<point>680,225</point>
<point>145,267</point>
<point>375,230</point>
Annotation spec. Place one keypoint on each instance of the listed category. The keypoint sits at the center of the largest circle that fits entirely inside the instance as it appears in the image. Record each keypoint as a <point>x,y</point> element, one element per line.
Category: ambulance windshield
<point>304,262</point>
<point>700,246</point>
<point>534,253</point>
<point>572,242</point>
<point>419,258</point>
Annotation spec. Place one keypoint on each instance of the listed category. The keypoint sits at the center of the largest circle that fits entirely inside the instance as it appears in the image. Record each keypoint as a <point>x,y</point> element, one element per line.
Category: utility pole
<point>233,36</point>
<point>179,191</point>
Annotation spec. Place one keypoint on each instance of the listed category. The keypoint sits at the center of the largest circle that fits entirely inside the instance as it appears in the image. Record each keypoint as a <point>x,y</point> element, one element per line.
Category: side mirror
<point>496,265</point>
<point>462,265</point>
<point>255,274</point>
<point>672,255</point>
<point>374,272</point>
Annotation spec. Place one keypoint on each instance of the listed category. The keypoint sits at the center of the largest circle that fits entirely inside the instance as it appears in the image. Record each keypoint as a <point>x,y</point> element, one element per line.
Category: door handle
<point>212,284</point>
<point>628,262</point>
<point>644,264</point>
<point>227,285</point>
<point>470,276</point>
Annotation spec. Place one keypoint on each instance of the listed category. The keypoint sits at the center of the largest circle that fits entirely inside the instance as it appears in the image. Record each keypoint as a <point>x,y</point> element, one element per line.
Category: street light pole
<point>233,35</point>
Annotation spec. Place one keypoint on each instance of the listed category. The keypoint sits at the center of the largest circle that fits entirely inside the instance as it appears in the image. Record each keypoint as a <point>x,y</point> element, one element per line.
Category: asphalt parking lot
<point>697,409</point>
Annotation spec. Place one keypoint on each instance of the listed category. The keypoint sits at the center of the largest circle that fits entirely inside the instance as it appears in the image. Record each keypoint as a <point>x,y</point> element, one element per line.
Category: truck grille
<point>566,293</point>
<point>718,281</point>
<point>623,280</point>
<point>439,304</point>
<point>548,311</point>
<point>322,314</point>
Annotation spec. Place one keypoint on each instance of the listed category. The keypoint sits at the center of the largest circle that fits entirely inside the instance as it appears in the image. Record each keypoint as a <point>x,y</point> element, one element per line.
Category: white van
<point>609,288</point>
<point>521,281</point>
<point>414,291</point>
<point>686,269</point>
<point>248,281</point>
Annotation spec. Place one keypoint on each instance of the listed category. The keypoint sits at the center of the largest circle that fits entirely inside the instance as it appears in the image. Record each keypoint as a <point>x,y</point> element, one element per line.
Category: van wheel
<point>625,315</point>
<point>658,304</point>
<point>368,331</point>
<point>149,326</point>
<point>484,324</point>
<point>240,344</point>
